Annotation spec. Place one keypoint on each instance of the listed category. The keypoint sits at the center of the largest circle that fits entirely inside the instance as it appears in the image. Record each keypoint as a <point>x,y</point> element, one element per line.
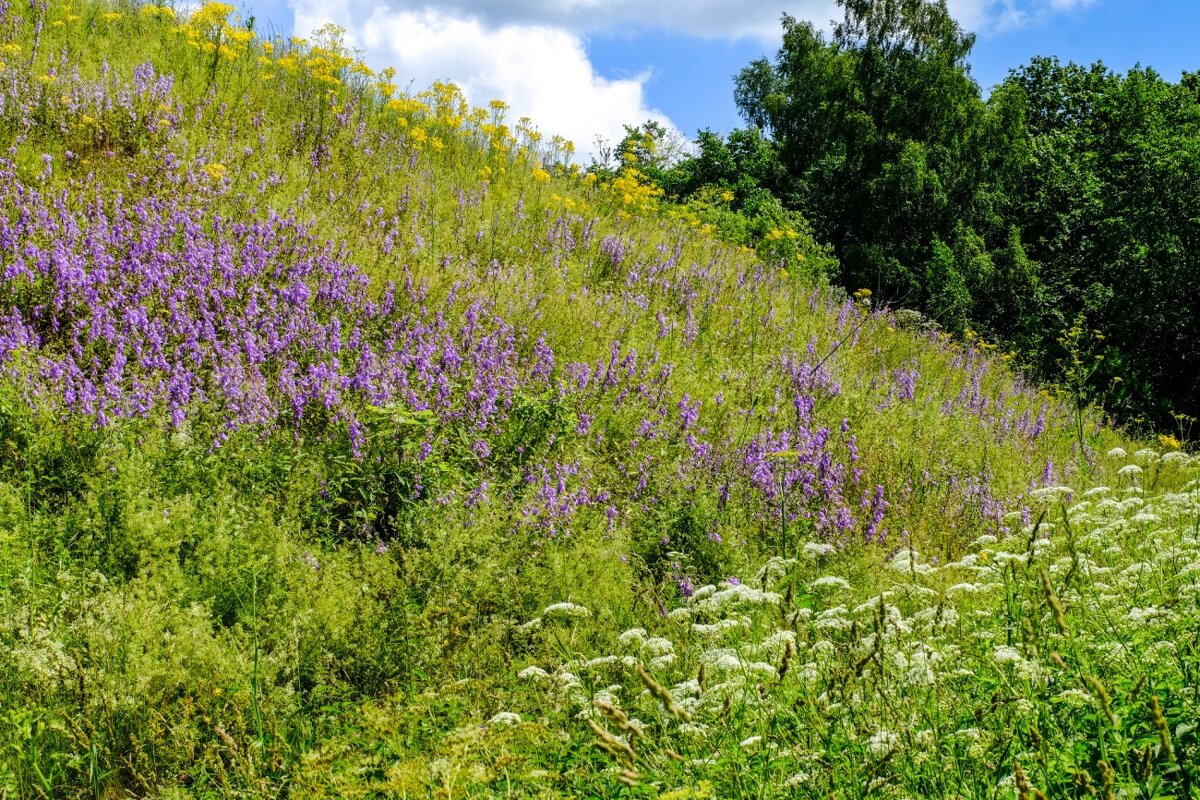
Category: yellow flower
<point>1169,442</point>
<point>238,36</point>
<point>214,170</point>
<point>541,176</point>
<point>211,15</point>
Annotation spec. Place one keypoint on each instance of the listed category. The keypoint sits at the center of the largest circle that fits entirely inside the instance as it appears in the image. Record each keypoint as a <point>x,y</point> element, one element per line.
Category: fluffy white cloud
<point>541,71</point>
<point>736,19</point>
<point>722,19</point>
<point>532,53</point>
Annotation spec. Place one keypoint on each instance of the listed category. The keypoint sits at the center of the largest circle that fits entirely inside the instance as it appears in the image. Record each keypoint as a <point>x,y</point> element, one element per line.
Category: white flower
<point>658,646</point>
<point>777,642</point>
<point>1051,493</point>
<point>681,614</point>
<point>1140,616</point>
<point>632,636</point>
<point>739,594</point>
<point>920,672</point>
<point>1129,469</point>
<point>1117,452</point>
<point>773,571</point>
<point>662,662</point>
<point>834,618</point>
<point>505,719</point>
<point>568,681</point>
<point>533,624</point>
<point>882,743</point>
<point>569,610</point>
<point>599,661</point>
<point>824,649</point>
<point>725,659</point>
<point>831,582</point>
<point>797,780</point>
<point>750,741</point>
<point>817,549</point>
<point>1075,698</point>
<point>1005,654</point>
<point>1146,455</point>
<point>533,673</point>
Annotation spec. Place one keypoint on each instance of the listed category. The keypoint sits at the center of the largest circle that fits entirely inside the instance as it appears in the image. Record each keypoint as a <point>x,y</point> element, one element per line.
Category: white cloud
<point>532,53</point>
<point>541,71</point>
<point>717,19</point>
<point>998,16</point>
<point>724,19</point>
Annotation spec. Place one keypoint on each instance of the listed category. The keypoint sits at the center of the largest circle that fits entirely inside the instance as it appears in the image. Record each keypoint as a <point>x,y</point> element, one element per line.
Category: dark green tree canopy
<point>1068,201</point>
<point>888,145</point>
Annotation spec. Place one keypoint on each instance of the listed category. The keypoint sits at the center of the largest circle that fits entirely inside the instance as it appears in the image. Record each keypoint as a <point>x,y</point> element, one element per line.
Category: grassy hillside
<point>353,446</point>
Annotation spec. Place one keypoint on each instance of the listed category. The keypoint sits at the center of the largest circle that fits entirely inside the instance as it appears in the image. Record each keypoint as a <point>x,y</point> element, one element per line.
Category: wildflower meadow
<point>356,442</point>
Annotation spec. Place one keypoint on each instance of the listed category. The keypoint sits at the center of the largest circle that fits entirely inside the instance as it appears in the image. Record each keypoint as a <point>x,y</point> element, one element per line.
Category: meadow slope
<point>354,444</point>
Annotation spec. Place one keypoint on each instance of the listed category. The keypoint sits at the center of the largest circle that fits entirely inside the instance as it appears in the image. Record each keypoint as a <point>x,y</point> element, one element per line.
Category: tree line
<point>1059,215</point>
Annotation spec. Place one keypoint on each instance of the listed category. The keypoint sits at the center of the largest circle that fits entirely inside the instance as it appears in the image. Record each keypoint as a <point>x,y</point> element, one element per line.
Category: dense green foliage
<point>1109,208</point>
<point>351,445</point>
<point>1068,196</point>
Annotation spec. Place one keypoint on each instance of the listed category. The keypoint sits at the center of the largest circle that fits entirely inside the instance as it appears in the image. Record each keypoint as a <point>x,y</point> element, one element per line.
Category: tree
<point>1109,203</point>
<point>885,140</point>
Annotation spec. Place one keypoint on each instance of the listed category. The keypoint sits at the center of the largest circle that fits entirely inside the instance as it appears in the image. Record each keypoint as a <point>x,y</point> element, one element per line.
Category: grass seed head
<point>663,696</point>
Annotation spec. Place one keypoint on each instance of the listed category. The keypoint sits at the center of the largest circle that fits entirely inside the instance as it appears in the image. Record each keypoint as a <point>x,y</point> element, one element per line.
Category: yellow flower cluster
<point>209,30</point>
<point>634,191</point>
<point>160,12</point>
<point>568,203</point>
<point>777,235</point>
<point>1169,442</point>
<point>210,17</point>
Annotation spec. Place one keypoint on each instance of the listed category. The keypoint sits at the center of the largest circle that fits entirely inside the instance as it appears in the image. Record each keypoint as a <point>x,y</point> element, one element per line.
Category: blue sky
<point>582,68</point>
